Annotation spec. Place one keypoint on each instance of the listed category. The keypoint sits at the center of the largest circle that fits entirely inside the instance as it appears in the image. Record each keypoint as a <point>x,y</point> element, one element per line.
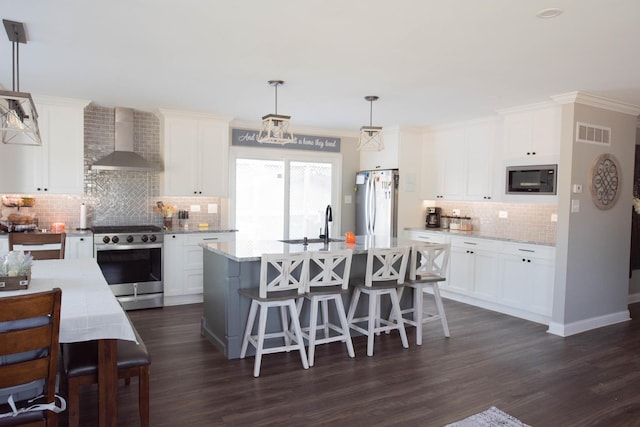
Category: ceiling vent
<point>592,134</point>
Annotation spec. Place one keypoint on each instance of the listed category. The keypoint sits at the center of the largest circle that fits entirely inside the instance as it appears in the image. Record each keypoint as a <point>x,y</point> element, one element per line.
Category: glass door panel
<point>309,195</point>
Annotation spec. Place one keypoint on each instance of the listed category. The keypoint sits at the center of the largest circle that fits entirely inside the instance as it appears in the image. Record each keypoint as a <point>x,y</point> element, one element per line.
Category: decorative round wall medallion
<point>605,181</point>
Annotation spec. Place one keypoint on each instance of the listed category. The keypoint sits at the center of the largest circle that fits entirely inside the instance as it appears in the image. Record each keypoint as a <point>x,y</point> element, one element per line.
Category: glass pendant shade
<point>18,119</point>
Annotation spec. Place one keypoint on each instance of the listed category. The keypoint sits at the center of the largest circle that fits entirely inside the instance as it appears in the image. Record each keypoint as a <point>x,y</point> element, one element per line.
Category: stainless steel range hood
<point>123,158</point>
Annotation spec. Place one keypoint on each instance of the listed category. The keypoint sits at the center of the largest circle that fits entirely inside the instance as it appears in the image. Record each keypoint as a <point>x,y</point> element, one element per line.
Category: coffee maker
<point>433,218</point>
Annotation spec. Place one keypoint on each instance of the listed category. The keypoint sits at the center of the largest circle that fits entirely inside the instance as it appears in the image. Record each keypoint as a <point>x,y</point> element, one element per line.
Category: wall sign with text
<point>249,138</point>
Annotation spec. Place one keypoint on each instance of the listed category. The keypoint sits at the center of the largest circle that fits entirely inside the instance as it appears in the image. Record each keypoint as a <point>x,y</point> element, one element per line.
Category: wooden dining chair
<point>428,267</point>
<point>41,245</point>
<point>80,364</point>
<point>385,274</point>
<point>282,282</point>
<point>29,330</point>
<point>328,280</point>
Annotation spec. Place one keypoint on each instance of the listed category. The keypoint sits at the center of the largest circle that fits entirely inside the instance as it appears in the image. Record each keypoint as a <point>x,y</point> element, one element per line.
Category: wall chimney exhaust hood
<point>123,158</point>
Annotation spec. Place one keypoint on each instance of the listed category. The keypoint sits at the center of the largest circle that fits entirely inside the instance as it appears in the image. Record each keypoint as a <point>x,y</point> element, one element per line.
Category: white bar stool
<point>282,281</point>
<point>432,269</point>
<point>385,273</point>
<point>328,280</point>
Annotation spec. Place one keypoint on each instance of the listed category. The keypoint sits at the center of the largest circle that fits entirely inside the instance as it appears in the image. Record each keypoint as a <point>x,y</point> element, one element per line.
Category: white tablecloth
<point>89,309</point>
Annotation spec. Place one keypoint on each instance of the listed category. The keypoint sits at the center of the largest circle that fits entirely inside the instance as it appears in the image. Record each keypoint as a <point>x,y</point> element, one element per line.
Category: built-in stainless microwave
<point>537,179</point>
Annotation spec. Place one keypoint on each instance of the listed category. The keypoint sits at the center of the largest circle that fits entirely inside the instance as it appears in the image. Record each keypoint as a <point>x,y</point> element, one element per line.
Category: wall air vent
<point>592,134</point>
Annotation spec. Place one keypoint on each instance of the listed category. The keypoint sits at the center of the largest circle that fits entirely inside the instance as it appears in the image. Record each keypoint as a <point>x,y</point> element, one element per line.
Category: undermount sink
<point>302,241</point>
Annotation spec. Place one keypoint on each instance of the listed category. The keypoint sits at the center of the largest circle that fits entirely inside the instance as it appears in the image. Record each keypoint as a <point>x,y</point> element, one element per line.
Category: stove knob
<point>144,238</point>
<point>105,239</point>
<point>115,239</point>
<point>153,238</point>
<point>129,239</point>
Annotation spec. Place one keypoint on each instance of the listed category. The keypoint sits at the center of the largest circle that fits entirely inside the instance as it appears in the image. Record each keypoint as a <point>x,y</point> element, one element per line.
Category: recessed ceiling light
<point>549,13</point>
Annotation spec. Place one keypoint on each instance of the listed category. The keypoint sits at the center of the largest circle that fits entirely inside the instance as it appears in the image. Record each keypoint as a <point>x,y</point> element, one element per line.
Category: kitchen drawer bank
<point>183,263</point>
<point>508,276</point>
<point>229,266</point>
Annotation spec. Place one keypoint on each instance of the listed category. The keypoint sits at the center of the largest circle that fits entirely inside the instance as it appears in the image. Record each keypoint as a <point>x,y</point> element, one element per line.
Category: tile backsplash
<point>117,197</point>
<point>525,221</point>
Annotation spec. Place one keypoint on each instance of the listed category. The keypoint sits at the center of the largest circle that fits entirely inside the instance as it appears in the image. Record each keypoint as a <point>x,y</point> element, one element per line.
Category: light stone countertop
<point>244,249</point>
<point>524,238</point>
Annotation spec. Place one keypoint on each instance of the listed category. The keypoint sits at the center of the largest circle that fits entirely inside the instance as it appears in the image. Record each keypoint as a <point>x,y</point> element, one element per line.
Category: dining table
<point>89,311</point>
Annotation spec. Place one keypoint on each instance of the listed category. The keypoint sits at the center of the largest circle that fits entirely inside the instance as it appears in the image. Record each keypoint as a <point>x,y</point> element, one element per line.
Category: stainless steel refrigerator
<point>377,203</point>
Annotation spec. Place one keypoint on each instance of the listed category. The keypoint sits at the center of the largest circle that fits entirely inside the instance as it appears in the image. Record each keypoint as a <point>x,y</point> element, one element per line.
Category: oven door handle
<point>127,247</point>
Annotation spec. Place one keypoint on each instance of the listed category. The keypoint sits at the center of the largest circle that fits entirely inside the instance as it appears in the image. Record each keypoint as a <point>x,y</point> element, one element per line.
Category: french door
<point>283,196</point>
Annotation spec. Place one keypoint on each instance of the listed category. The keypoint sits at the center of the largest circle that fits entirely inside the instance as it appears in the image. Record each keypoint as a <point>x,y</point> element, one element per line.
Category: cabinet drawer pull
<point>210,238</point>
<point>469,243</point>
<point>526,250</point>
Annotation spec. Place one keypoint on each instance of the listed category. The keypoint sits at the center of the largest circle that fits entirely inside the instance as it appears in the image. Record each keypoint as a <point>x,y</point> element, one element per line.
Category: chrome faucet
<point>328,217</point>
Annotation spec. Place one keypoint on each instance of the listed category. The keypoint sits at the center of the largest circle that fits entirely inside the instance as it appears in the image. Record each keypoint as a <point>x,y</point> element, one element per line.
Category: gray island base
<point>229,266</point>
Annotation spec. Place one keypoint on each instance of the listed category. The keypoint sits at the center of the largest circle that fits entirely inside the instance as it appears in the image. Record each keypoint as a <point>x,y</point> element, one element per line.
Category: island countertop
<point>243,248</point>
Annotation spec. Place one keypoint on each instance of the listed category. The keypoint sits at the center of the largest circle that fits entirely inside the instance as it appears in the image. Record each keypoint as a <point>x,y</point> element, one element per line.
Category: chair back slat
<point>329,269</point>
<point>385,264</point>
<point>29,331</point>
<point>40,245</point>
<point>282,272</point>
<point>429,259</point>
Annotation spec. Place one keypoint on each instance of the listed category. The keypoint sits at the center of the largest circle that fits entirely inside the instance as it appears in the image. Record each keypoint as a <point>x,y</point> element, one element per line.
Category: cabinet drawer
<point>472,242</point>
<point>529,250</point>
<point>425,236</point>
<point>195,239</point>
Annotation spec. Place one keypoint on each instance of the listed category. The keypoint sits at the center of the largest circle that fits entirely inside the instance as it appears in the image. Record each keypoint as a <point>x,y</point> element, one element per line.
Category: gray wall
<point>592,265</point>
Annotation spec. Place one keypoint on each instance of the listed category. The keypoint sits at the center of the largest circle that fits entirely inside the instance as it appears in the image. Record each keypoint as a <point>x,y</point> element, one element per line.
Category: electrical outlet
<point>347,200</point>
<point>503,214</point>
<point>554,217</point>
<point>212,208</point>
<point>195,208</point>
<point>456,212</point>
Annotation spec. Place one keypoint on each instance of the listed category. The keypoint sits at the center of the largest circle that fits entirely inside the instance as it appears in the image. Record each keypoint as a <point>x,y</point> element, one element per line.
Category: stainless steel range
<point>131,260</point>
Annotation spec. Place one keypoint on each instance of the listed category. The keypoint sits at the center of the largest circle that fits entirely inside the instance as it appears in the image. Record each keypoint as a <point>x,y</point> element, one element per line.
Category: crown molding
<point>526,107</point>
<point>596,101</point>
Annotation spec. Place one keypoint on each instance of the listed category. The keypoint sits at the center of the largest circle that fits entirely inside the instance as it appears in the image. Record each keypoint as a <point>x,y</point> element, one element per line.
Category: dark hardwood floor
<point>590,379</point>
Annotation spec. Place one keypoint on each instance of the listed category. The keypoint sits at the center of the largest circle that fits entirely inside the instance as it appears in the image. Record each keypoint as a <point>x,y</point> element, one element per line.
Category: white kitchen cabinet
<point>532,136</point>
<point>55,167</point>
<point>473,266</point>
<point>195,151</point>
<point>458,162</point>
<point>78,246</point>
<point>4,245</point>
<point>527,277</point>
<point>183,265</point>
<point>427,236</point>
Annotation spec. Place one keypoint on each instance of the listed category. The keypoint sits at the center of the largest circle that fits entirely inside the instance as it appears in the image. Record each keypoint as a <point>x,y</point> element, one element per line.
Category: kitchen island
<point>232,265</point>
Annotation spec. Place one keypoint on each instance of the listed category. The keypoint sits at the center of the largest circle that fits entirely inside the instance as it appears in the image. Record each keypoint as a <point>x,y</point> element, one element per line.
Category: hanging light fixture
<point>370,136</point>
<point>18,115</point>
<point>275,127</point>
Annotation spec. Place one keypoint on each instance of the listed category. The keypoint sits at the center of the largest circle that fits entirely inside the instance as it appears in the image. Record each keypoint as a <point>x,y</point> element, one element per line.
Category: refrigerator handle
<point>373,206</point>
<point>367,194</point>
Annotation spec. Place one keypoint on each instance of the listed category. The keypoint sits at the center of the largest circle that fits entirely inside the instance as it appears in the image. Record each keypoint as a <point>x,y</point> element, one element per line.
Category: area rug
<point>492,417</point>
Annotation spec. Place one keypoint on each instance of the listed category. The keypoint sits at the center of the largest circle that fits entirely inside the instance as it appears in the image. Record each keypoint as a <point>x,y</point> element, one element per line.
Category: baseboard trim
<point>182,299</point>
<point>633,298</point>
<point>565,330</point>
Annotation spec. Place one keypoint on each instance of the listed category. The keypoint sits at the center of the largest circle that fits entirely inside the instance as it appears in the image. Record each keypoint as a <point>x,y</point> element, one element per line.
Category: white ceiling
<point>430,61</point>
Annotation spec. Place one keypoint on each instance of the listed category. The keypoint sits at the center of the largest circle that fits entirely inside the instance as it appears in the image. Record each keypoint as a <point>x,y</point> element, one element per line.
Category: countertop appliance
<point>531,179</point>
<point>433,218</point>
<point>377,203</point>
<point>131,261</point>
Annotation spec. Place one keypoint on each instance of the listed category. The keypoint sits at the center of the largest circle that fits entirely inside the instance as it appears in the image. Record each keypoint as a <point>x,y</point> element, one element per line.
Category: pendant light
<point>371,136</point>
<point>275,127</point>
<point>18,115</point>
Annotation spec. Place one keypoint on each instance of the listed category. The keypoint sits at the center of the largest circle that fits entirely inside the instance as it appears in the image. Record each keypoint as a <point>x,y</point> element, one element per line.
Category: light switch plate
<point>195,208</point>
<point>577,188</point>
<point>503,214</point>
<point>212,208</point>
<point>347,200</point>
<point>575,205</point>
